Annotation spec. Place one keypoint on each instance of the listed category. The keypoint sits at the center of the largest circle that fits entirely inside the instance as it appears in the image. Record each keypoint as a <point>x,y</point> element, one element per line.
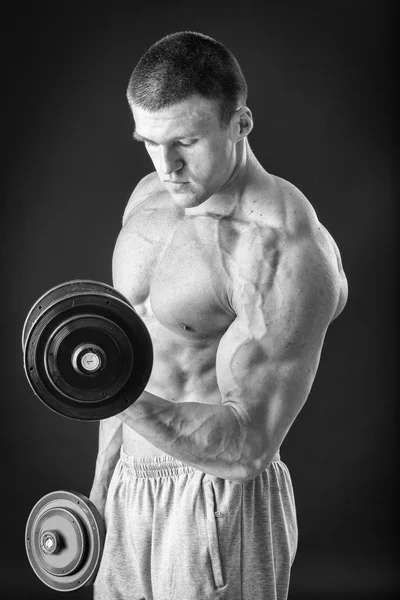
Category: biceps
<point>238,357</point>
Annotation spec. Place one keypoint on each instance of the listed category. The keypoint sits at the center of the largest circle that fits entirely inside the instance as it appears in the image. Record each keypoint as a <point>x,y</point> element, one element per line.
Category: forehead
<point>194,116</point>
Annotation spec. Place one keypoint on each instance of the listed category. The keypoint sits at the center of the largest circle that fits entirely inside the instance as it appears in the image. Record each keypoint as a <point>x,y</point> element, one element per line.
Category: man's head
<point>187,96</point>
<point>186,64</point>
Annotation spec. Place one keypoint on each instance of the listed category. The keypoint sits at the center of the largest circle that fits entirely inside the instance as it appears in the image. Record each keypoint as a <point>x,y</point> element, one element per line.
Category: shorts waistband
<point>154,466</point>
<point>158,466</point>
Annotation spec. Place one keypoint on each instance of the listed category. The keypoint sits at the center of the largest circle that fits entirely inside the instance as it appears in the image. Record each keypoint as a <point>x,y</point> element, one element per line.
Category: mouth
<point>176,182</point>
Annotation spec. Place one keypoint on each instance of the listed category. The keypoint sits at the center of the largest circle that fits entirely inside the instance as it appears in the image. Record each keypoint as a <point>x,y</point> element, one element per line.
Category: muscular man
<point>237,282</point>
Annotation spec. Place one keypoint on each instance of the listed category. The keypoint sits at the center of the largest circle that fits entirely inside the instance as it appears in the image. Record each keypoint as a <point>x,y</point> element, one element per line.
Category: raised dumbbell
<point>87,354</point>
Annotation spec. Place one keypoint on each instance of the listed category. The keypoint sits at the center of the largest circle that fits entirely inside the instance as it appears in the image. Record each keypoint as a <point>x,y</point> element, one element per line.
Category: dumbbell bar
<point>64,540</point>
<point>87,354</point>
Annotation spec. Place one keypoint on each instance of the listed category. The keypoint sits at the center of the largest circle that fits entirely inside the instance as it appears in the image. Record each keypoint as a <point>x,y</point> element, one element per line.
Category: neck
<point>244,164</point>
<point>243,172</point>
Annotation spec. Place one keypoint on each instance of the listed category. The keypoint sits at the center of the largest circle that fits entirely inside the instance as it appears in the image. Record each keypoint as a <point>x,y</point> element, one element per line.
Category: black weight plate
<point>75,522</point>
<point>76,383</point>
<point>68,288</point>
<point>50,341</point>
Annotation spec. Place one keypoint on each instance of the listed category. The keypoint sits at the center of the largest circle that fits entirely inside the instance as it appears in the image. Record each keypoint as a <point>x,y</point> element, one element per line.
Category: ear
<point>244,122</point>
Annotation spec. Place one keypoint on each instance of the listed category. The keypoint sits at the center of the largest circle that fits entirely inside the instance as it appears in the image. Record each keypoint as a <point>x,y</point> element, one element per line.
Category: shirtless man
<point>237,282</point>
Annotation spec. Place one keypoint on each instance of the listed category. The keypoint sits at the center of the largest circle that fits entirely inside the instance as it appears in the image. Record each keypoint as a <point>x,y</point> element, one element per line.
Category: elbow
<point>249,469</point>
<point>257,457</point>
<point>256,468</point>
<point>255,450</point>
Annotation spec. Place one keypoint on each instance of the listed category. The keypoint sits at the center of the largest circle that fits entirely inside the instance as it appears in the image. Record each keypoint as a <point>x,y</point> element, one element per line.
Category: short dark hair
<point>183,64</point>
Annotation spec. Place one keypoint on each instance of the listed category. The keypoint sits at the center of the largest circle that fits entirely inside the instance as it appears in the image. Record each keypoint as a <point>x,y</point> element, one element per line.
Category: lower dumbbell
<point>64,540</point>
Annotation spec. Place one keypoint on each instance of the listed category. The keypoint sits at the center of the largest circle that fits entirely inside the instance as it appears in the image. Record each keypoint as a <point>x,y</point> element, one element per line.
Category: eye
<point>188,145</point>
<point>151,144</point>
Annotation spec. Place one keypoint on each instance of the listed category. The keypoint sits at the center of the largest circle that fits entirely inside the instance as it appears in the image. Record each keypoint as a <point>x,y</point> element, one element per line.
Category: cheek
<point>213,158</point>
<point>224,150</point>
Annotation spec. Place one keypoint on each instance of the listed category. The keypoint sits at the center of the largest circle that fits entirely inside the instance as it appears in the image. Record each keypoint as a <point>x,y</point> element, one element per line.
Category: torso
<point>174,267</point>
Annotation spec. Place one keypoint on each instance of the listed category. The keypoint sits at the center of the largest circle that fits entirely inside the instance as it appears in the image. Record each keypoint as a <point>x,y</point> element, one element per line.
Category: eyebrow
<point>139,138</point>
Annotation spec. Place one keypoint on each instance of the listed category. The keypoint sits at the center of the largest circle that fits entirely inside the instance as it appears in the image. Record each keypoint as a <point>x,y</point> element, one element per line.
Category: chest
<point>176,268</point>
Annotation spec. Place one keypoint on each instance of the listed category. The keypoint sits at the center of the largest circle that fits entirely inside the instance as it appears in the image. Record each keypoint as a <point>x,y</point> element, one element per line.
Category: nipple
<point>185,327</point>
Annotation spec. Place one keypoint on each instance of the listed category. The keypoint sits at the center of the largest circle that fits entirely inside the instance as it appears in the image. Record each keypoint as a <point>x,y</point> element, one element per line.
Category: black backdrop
<point>321,82</point>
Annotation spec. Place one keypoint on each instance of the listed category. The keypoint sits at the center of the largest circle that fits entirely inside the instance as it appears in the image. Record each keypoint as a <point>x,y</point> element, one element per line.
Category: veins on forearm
<point>207,437</point>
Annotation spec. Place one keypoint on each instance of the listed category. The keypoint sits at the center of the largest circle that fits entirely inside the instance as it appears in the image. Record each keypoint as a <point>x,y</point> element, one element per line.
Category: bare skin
<point>237,282</point>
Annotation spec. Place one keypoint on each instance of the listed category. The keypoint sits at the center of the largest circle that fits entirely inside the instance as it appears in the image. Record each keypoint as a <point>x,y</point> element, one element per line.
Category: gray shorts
<point>176,533</point>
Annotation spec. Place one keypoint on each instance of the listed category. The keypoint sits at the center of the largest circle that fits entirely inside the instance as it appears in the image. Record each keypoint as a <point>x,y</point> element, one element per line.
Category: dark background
<point>322,89</point>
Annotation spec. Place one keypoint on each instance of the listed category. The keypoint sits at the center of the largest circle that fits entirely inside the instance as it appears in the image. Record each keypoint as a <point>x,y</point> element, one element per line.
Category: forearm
<point>110,441</point>
<point>207,437</point>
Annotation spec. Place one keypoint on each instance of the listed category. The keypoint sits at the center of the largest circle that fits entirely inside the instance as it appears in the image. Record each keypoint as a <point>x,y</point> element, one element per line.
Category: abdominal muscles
<point>183,371</point>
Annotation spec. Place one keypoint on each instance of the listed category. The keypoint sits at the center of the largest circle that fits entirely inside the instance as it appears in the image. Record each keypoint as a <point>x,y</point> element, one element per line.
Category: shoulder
<point>277,203</point>
<point>146,190</point>
<point>287,249</point>
<point>317,253</point>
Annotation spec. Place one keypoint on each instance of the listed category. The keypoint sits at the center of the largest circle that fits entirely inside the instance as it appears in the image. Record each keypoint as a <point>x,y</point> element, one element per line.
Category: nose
<point>170,161</point>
